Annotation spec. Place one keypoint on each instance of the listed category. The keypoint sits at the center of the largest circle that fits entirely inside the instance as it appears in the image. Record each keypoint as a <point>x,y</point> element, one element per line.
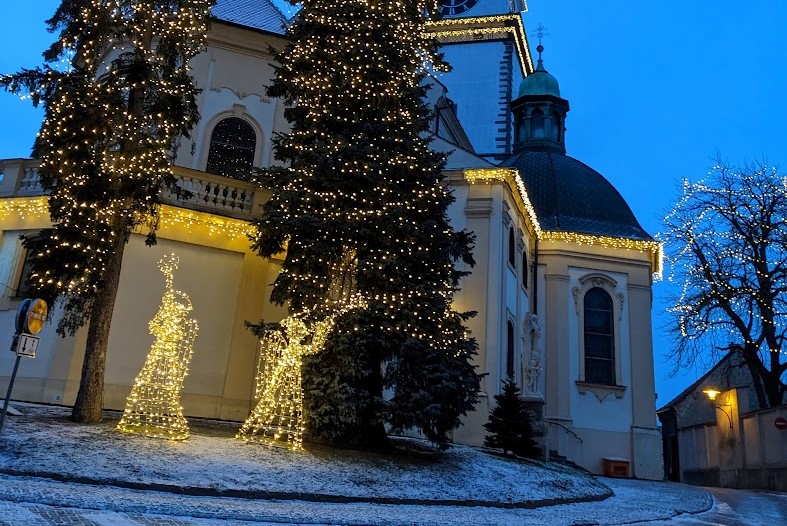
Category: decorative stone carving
<point>532,327</point>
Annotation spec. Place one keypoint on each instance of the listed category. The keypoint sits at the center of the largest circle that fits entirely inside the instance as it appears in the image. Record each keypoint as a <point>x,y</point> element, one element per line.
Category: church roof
<point>569,196</point>
<point>540,82</point>
<point>255,14</point>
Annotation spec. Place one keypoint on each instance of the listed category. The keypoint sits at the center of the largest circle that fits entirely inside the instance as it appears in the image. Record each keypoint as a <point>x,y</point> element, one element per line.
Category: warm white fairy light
<point>114,91</point>
<point>727,251</point>
<point>485,27</point>
<point>153,408</point>
<point>277,419</point>
<point>511,176</point>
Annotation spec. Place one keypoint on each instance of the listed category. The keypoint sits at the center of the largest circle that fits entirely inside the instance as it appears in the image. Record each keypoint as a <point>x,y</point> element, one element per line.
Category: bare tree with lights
<point>362,213</point>
<point>727,243</point>
<point>117,96</point>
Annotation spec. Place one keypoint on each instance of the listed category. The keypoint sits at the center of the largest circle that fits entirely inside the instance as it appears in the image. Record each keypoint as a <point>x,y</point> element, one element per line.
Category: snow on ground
<point>44,441</point>
<point>634,501</point>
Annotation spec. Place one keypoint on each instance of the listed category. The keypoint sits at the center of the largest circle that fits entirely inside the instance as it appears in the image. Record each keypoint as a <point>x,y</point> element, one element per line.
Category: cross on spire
<point>540,33</point>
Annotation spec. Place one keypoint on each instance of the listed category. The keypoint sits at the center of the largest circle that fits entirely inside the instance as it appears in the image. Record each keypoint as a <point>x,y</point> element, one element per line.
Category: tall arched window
<point>510,349</point>
<point>511,247</point>
<point>599,337</point>
<point>231,151</point>
<point>524,269</point>
<point>537,124</point>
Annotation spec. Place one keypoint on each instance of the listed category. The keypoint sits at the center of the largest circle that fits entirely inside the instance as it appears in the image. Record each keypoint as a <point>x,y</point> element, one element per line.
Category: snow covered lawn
<point>212,461</point>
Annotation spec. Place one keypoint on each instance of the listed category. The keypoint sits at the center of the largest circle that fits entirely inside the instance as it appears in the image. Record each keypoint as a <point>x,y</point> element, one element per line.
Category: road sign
<point>25,345</point>
<point>780,422</point>
<point>31,316</point>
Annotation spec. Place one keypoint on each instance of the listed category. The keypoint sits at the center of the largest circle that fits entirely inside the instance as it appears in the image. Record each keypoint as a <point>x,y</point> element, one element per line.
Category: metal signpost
<point>30,318</point>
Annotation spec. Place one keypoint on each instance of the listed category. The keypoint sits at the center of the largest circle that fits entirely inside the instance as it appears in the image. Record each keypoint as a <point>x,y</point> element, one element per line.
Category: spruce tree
<point>509,424</point>
<point>117,96</point>
<point>361,212</point>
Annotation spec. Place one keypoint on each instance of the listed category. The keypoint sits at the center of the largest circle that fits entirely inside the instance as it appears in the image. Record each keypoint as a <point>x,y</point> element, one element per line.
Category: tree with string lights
<point>361,212</point>
<point>117,96</point>
<point>727,243</point>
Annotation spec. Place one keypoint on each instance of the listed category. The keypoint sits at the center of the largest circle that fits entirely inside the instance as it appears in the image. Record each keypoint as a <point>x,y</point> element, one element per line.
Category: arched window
<point>231,151</point>
<point>511,247</point>
<point>524,268</point>
<point>555,127</point>
<point>537,124</point>
<point>510,349</point>
<point>599,337</point>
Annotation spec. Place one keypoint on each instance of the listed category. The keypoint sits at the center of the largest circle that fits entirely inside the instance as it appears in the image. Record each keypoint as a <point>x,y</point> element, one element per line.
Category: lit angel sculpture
<point>153,407</point>
<point>278,416</point>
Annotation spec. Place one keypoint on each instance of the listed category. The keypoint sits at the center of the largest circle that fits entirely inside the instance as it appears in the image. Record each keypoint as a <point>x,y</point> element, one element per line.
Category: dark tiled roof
<point>256,14</point>
<point>569,196</point>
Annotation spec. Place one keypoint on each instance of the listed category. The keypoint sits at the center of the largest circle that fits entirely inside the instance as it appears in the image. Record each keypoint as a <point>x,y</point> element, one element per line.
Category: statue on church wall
<point>532,328</point>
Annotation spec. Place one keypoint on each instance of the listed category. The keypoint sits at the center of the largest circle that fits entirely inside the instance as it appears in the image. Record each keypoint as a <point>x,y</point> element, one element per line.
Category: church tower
<point>485,43</point>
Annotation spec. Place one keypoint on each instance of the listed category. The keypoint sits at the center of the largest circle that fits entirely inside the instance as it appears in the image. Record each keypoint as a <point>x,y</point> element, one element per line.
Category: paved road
<point>26,501</point>
<point>738,508</point>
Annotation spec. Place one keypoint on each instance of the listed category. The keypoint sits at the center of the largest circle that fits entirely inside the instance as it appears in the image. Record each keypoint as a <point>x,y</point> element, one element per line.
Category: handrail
<point>548,421</point>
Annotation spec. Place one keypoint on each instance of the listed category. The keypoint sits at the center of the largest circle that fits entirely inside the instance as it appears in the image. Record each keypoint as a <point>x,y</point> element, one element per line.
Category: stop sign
<point>780,422</point>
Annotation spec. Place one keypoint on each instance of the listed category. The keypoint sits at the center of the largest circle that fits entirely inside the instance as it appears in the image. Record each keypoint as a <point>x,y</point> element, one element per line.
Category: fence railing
<point>199,190</point>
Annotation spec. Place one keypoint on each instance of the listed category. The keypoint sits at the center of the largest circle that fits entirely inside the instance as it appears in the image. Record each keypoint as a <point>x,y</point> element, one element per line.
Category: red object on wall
<point>780,422</point>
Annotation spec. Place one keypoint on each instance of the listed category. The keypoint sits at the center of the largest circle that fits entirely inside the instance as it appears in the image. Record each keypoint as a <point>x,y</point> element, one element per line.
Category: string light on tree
<point>361,180</point>
<point>727,248</point>
<point>112,121</point>
<point>153,407</point>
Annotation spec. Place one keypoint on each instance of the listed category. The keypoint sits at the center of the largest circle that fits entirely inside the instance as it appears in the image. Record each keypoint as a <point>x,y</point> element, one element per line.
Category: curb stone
<point>196,491</point>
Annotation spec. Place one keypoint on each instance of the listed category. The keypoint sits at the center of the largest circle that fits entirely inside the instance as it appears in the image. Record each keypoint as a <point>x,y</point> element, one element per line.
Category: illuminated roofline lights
<point>511,176</point>
<point>461,30</point>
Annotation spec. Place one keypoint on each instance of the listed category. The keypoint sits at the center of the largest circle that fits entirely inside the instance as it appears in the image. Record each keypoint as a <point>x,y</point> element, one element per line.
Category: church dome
<point>569,196</point>
<point>540,82</point>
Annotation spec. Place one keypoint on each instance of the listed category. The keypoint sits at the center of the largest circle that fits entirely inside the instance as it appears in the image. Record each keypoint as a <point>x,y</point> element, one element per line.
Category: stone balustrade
<point>200,190</point>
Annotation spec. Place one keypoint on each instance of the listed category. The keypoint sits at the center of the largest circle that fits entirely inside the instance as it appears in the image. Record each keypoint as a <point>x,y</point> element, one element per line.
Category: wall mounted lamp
<point>712,394</point>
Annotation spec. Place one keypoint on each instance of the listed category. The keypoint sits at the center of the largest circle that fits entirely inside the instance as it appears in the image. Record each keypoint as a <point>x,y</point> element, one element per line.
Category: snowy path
<point>103,505</point>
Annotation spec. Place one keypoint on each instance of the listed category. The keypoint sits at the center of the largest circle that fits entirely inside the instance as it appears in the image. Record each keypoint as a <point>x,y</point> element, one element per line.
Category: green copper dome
<point>540,82</point>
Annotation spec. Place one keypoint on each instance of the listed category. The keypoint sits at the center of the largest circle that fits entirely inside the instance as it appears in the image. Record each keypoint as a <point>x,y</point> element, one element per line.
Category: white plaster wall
<point>210,277</point>
<point>612,413</point>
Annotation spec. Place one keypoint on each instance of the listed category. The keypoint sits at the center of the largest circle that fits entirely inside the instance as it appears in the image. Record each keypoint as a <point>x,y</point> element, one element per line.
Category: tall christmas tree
<point>362,213</point>
<point>117,95</point>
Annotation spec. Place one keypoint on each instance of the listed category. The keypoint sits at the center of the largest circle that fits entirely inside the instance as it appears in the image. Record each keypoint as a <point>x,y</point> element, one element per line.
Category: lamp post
<point>712,394</point>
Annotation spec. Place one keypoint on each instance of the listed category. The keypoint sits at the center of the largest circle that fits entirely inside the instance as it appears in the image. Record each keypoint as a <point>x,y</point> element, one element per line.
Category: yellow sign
<point>31,316</point>
<point>36,316</point>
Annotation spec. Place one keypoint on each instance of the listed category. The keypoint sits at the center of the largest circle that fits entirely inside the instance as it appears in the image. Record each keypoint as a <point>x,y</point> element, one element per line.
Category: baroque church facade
<point>564,272</point>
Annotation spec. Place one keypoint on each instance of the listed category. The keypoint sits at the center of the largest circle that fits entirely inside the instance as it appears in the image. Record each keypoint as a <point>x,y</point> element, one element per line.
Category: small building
<point>715,433</point>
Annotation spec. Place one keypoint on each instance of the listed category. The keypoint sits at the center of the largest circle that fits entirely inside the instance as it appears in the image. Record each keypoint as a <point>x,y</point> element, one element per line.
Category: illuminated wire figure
<point>153,407</point>
<point>278,416</point>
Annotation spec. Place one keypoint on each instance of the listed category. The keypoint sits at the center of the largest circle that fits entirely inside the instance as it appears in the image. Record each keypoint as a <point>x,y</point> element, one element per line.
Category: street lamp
<point>712,394</point>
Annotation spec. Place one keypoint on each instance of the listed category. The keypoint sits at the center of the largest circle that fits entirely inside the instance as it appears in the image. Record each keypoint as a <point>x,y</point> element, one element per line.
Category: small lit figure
<point>153,407</point>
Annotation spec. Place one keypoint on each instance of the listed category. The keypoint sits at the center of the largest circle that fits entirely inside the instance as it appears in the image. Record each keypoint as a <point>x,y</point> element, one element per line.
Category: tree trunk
<point>90,398</point>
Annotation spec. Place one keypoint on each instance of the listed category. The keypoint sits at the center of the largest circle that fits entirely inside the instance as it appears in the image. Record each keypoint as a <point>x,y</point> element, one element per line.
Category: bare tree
<point>727,245</point>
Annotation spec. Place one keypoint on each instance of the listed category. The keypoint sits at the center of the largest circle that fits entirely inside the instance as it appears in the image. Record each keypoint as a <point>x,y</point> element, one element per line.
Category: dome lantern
<point>539,111</point>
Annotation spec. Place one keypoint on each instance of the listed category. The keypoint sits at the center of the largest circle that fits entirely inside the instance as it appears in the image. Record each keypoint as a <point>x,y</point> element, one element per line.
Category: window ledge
<point>601,391</point>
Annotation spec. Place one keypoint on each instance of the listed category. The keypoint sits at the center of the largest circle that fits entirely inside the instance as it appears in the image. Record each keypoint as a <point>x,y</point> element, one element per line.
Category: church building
<point>564,273</point>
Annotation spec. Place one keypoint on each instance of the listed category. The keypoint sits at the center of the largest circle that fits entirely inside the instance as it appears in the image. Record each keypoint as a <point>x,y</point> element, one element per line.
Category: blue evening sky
<point>656,89</point>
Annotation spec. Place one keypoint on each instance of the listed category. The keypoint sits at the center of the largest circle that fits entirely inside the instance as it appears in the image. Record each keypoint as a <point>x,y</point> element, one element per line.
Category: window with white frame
<point>599,307</point>
<point>599,337</point>
<point>510,349</point>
